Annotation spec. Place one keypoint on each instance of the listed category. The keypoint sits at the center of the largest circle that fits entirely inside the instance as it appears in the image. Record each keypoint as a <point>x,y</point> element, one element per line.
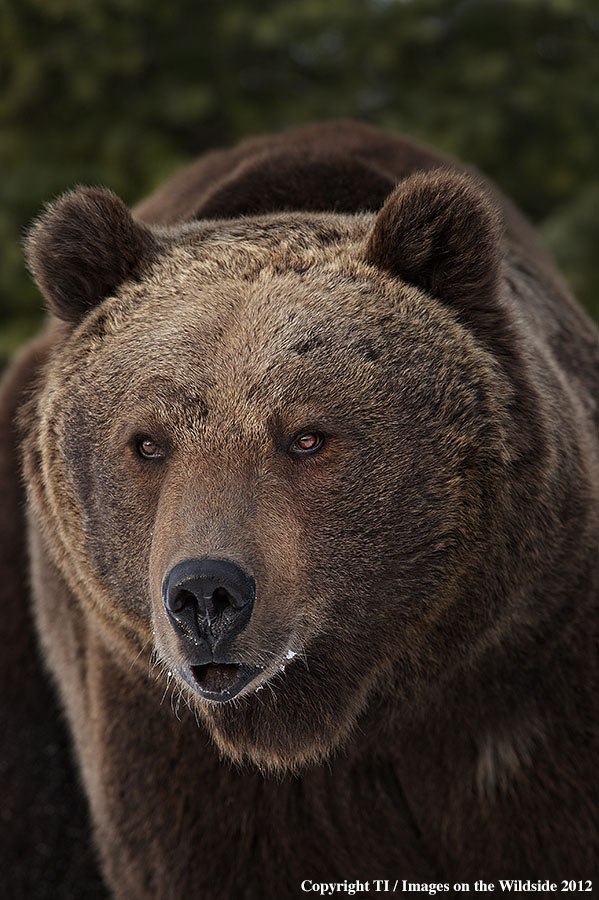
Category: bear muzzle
<point>208,603</point>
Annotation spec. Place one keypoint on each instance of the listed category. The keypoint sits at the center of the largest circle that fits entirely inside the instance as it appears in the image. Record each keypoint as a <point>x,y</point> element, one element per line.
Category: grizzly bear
<point>311,464</point>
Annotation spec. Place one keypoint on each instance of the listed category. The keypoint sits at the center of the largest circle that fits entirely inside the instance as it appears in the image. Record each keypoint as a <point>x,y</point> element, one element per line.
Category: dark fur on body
<point>434,569</point>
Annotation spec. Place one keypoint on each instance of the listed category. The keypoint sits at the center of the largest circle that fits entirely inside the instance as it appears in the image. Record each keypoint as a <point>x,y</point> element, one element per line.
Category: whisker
<point>143,647</point>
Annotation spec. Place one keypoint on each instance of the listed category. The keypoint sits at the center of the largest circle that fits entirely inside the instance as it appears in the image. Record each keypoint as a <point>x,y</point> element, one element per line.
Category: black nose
<point>208,599</point>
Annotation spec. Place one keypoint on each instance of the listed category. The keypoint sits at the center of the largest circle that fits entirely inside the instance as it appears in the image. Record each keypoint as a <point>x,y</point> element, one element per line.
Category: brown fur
<point>433,568</point>
<point>94,241</point>
<point>44,827</point>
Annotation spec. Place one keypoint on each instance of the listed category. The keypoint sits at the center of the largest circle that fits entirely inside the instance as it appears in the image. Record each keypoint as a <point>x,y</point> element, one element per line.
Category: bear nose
<point>208,599</point>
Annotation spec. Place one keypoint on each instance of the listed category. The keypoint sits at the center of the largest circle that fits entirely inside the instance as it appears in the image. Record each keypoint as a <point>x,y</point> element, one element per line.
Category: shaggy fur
<point>426,582</point>
<point>94,247</point>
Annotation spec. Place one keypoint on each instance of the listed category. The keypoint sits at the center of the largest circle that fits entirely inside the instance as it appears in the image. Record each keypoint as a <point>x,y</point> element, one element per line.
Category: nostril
<point>209,603</point>
<point>180,599</point>
<point>221,600</point>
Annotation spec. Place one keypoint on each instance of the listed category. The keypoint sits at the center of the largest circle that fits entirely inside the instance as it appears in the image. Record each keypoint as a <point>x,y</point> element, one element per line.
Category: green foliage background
<point>123,92</point>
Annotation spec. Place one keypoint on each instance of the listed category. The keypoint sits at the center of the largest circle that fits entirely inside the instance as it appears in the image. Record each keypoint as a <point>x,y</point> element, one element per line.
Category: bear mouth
<point>220,682</point>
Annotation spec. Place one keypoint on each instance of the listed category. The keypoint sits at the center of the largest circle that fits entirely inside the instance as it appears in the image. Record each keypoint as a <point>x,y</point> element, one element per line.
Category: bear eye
<point>149,449</point>
<point>305,443</point>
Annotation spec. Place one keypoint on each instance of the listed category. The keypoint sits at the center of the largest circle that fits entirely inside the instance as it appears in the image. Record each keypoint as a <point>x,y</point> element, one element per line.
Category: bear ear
<point>83,247</point>
<point>439,232</point>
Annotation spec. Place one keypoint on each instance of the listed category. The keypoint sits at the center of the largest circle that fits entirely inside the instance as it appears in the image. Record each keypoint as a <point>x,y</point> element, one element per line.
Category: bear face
<point>280,396</point>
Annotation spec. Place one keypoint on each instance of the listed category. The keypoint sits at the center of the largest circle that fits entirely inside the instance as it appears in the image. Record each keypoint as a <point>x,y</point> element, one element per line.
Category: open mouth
<point>221,681</point>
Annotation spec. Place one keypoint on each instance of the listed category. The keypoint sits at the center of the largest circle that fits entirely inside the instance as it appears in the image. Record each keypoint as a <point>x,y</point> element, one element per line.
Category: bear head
<point>266,450</point>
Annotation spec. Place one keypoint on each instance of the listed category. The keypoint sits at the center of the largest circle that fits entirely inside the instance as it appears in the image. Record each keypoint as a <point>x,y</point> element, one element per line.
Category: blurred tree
<point>122,93</point>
